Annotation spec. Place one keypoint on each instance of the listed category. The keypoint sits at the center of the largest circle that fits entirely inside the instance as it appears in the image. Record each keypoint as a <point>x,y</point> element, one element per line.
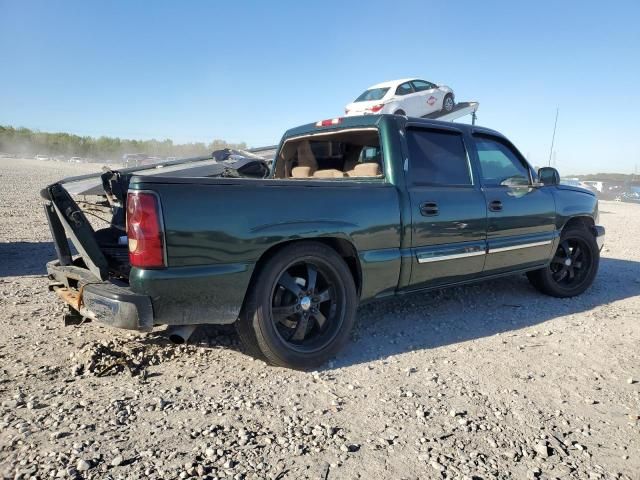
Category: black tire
<point>573,268</point>
<point>400,112</point>
<point>448,103</point>
<point>294,318</point>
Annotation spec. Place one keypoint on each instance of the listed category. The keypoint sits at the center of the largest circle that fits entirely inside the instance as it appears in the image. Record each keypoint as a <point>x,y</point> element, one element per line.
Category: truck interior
<point>335,155</point>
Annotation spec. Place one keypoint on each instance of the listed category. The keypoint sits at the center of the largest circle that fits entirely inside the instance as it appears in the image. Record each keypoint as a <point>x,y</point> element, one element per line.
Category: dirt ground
<point>488,381</point>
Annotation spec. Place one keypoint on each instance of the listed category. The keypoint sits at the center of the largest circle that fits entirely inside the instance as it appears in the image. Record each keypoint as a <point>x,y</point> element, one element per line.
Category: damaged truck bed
<point>95,282</point>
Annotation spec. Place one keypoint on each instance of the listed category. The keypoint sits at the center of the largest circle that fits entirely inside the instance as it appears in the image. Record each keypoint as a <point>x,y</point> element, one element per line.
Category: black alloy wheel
<point>573,267</point>
<point>306,306</point>
<point>571,263</point>
<point>300,307</point>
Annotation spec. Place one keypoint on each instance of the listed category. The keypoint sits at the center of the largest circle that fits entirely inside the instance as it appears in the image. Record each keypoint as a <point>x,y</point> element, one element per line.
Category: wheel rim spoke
<point>284,311</point>
<point>312,275</point>
<point>559,276</point>
<point>576,254</point>
<point>571,273</point>
<point>320,319</point>
<point>301,329</point>
<point>288,282</point>
<point>324,296</point>
<point>558,259</point>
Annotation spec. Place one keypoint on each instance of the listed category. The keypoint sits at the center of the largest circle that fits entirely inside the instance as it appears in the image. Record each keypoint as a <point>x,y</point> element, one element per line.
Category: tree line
<point>610,177</point>
<point>26,143</point>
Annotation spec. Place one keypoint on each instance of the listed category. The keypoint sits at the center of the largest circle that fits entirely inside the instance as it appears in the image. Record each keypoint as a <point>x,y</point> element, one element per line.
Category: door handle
<point>495,206</point>
<point>429,209</point>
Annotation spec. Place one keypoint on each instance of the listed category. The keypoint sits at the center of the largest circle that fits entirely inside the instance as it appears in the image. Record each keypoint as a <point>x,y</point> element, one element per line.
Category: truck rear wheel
<point>573,267</point>
<point>300,308</point>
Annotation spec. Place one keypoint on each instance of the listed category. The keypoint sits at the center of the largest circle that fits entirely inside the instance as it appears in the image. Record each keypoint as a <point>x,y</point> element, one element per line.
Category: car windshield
<point>372,94</point>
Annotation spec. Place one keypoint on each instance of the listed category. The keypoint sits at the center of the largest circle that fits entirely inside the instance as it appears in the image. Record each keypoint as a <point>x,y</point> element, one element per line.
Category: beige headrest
<point>301,172</point>
<point>329,173</point>
<point>370,169</point>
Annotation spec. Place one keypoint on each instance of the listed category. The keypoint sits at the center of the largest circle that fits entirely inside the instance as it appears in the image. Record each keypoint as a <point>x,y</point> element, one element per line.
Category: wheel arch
<point>585,221</point>
<point>343,247</point>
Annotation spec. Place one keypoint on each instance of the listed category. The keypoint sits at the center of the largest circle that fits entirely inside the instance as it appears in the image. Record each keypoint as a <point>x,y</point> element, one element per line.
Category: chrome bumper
<point>104,302</point>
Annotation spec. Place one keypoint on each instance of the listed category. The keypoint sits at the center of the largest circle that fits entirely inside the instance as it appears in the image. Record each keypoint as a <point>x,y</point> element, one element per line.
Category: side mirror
<point>548,176</point>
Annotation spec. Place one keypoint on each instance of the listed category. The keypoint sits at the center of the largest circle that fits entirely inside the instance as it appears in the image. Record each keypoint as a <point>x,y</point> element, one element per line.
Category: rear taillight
<point>144,230</point>
<point>377,108</point>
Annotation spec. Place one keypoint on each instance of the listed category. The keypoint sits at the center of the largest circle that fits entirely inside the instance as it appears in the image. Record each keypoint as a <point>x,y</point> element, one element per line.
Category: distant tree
<point>27,143</point>
<point>218,144</point>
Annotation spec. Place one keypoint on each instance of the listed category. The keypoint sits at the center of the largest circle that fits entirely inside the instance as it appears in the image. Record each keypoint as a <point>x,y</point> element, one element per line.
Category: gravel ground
<point>486,381</point>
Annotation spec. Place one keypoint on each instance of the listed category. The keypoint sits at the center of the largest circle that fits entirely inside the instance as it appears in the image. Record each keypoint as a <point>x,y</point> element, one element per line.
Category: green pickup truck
<point>351,210</point>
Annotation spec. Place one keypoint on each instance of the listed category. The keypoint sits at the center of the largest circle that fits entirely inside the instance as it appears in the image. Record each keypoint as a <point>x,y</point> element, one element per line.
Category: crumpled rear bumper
<point>106,302</point>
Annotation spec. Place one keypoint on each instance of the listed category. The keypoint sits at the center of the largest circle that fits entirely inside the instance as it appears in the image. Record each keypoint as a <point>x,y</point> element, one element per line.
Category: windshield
<point>373,94</point>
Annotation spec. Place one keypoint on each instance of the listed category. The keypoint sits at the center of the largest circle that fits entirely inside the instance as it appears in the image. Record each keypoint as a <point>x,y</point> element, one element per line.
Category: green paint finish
<point>218,229</point>
<point>192,295</point>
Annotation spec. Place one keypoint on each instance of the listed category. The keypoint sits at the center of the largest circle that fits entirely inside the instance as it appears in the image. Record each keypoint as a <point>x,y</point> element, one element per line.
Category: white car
<point>409,96</point>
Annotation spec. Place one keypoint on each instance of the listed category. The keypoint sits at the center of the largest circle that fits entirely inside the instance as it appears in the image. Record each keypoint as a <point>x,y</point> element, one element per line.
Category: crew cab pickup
<point>352,209</point>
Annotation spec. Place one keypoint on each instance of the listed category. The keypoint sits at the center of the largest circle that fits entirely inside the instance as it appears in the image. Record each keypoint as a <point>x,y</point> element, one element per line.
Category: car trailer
<point>460,110</point>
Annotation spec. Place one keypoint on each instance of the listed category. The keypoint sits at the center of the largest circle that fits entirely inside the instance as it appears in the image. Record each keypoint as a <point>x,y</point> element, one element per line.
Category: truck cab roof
<point>364,121</point>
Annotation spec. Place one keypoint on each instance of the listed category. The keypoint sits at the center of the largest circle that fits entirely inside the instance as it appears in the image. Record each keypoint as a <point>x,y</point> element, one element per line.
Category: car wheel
<point>448,103</point>
<point>300,308</point>
<point>399,112</point>
<point>573,267</point>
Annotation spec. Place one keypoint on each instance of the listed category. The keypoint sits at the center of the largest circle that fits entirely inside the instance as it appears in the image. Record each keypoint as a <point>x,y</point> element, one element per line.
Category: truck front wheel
<point>300,308</point>
<point>573,267</point>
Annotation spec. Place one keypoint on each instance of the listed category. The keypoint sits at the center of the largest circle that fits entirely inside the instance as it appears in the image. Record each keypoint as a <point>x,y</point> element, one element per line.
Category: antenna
<point>553,138</point>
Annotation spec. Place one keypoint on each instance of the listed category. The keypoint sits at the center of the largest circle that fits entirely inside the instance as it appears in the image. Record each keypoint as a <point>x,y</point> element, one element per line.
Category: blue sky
<point>247,71</point>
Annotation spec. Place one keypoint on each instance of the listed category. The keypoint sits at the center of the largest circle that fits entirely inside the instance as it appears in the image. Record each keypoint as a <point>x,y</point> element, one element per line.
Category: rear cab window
<point>438,158</point>
<point>404,89</point>
<point>354,154</point>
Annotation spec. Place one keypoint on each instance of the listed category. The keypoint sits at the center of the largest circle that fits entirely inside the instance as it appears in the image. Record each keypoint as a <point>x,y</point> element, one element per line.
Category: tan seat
<point>301,172</point>
<point>306,158</point>
<point>328,173</point>
<point>370,169</point>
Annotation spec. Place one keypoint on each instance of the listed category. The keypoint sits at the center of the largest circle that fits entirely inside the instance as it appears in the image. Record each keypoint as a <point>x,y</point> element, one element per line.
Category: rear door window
<point>404,89</point>
<point>499,164</point>
<point>437,157</point>
<point>421,85</point>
